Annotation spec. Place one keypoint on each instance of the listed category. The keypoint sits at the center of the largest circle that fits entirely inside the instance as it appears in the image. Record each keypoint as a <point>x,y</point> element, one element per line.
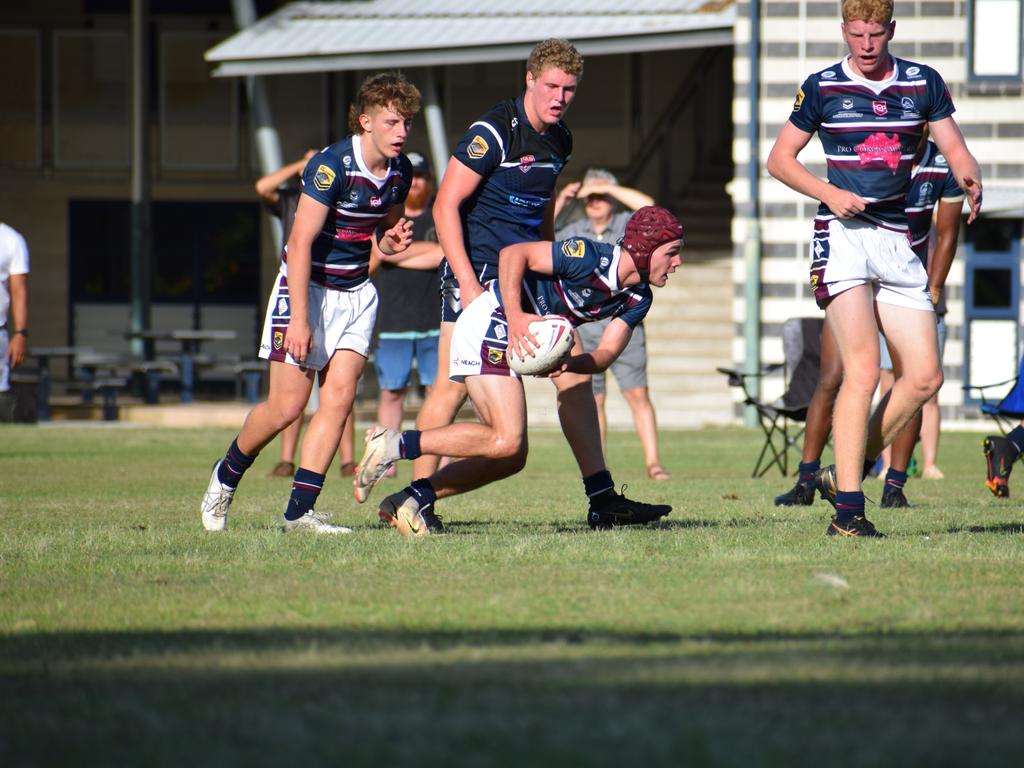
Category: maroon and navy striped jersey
<point>585,285</point>
<point>357,201</point>
<point>870,131</point>
<point>930,181</point>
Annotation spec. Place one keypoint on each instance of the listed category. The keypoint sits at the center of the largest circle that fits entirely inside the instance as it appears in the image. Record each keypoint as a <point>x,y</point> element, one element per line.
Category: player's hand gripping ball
<point>554,338</point>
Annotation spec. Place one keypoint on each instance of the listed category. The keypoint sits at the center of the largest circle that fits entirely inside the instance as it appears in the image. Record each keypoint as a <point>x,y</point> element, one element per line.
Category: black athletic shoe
<point>825,482</point>
<point>432,520</point>
<point>801,494</point>
<point>612,509</point>
<point>999,458</point>
<point>893,498</point>
<point>858,526</point>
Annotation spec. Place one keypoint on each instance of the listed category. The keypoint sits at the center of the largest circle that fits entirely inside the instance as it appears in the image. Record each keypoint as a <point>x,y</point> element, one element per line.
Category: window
<point>994,40</point>
<point>198,113</point>
<point>20,145</point>
<point>91,99</point>
<point>201,252</point>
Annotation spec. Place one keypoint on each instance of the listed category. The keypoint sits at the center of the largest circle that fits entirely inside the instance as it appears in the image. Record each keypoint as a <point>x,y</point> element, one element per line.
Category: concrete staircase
<point>689,334</point>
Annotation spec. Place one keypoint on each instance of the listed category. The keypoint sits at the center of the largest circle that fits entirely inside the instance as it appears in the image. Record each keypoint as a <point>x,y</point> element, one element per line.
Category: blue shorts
<point>393,360</point>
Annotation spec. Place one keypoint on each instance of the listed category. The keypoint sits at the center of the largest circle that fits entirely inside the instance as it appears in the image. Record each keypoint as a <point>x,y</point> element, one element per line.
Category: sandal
<point>283,469</point>
<point>658,472</point>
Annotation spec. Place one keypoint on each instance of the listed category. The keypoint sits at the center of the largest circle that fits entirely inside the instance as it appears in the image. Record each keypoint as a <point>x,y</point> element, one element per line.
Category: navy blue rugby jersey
<point>585,285</point>
<point>519,168</point>
<point>871,130</point>
<point>357,202</point>
<point>930,181</point>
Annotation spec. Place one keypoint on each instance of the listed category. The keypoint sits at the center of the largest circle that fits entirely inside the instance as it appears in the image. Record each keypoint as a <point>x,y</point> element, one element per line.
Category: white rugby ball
<point>554,337</point>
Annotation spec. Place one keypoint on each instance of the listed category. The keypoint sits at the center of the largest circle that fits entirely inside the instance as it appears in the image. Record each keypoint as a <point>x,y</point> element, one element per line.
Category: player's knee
<point>863,382</point>
<point>509,448</point>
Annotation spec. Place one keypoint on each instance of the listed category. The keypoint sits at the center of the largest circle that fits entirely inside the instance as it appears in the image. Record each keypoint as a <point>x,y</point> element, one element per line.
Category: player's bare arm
<point>513,261</point>
<point>614,339</point>
<point>947,137</point>
<point>310,216</point>
<point>947,226</point>
<point>17,346</point>
<point>459,183</point>
<point>784,166</point>
<point>569,191</point>
<point>421,255</point>
<point>267,186</point>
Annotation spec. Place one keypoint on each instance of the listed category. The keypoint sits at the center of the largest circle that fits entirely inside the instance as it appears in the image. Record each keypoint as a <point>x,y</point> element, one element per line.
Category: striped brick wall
<point>798,38</point>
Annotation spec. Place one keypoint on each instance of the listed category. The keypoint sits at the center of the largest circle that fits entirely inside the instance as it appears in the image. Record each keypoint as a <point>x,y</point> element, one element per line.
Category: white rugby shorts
<point>337,320</point>
<point>480,340</point>
<point>5,363</point>
<point>852,252</point>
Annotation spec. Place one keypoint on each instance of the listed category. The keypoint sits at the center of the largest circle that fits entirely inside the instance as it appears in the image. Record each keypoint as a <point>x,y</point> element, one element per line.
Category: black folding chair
<point>1008,411</point>
<point>801,343</point>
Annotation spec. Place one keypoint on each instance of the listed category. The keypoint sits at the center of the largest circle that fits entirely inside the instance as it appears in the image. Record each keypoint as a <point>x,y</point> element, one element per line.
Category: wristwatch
<point>22,332</point>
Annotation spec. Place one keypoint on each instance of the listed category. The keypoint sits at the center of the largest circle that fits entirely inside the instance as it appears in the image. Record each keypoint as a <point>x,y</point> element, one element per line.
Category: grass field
<point>735,634</point>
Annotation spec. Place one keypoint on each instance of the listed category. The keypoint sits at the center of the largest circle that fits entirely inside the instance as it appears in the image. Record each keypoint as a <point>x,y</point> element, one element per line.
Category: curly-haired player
<point>581,280</point>
<point>323,307</point>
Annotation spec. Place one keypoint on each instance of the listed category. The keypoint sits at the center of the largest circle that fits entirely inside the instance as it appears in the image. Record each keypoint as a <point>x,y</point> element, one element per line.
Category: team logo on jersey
<point>574,249</point>
<point>324,178</point>
<point>278,339</point>
<point>877,147</point>
<point>940,160</point>
<point>847,103</point>
<point>477,148</point>
<point>500,332</point>
<point>911,71</point>
<point>799,99</point>
<point>525,162</point>
<point>828,74</point>
<point>494,355</point>
<point>880,108</point>
<point>604,262</point>
<point>375,201</point>
<point>282,306</point>
<point>515,122</point>
<point>585,293</point>
<point>907,103</point>
<point>347,160</point>
<point>925,195</point>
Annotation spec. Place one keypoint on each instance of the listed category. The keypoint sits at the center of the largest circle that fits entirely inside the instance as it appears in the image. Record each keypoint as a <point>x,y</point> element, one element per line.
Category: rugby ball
<point>554,338</point>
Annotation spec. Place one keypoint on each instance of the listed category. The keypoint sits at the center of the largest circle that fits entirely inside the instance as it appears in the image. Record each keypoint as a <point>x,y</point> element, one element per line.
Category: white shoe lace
<point>217,503</point>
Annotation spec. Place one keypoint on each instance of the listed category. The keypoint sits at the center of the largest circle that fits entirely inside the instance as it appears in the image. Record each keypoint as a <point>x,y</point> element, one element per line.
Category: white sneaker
<point>380,451</point>
<point>216,502</point>
<point>317,522</point>
<point>402,512</point>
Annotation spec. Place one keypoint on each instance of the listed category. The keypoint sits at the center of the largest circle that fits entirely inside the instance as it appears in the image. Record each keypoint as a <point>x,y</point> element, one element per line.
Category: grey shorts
<point>630,368</point>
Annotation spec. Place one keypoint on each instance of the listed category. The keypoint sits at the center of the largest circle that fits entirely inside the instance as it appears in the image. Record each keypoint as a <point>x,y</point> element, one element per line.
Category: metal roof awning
<point>1000,202</point>
<point>325,36</point>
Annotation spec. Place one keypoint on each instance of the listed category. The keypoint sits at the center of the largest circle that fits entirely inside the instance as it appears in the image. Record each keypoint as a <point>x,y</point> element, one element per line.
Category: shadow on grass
<point>1012,528</point>
<point>508,697</point>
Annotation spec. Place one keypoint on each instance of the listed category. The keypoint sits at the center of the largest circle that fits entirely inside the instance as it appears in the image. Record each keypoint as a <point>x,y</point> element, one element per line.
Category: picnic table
<point>190,340</point>
<point>43,355</point>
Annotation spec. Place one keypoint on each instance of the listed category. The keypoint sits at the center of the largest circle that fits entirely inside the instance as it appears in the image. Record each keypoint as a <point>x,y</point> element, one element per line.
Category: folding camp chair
<point>1008,411</point>
<point>801,343</point>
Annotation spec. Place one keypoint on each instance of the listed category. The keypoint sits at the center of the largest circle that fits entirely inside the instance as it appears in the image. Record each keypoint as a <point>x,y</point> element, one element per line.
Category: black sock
<point>808,469</point>
<point>233,466</point>
<point>1016,438</point>
<point>869,464</point>
<point>409,444</point>
<point>306,487</point>
<point>599,486</point>
<point>895,479</point>
<point>422,491</point>
<point>849,504</point>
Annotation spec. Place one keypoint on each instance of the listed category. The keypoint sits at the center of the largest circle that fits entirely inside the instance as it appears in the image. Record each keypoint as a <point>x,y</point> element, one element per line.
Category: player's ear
<point>530,79</point>
<point>365,121</point>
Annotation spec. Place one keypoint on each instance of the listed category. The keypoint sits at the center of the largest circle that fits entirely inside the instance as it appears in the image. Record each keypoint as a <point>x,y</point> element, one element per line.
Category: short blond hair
<point>867,10</point>
<point>387,89</point>
<point>555,53</point>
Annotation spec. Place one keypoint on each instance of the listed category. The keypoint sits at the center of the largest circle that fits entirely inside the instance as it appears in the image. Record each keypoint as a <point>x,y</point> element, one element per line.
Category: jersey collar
<point>875,85</point>
<point>357,151</point>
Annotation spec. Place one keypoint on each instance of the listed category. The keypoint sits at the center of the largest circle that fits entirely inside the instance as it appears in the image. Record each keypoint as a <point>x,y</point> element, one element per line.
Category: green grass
<point>130,636</point>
